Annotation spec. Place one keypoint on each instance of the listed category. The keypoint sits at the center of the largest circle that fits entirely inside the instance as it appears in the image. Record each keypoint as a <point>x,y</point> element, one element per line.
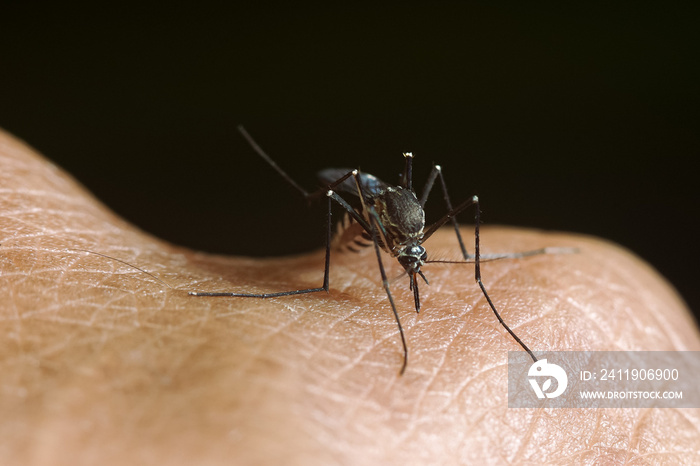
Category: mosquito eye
<point>407,259</point>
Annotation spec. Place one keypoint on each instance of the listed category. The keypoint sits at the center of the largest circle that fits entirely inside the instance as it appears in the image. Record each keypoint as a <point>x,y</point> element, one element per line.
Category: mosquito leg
<point>326,274</point>
<point>376,224</point>
<point>333,195</point>
<point>372,229</point>
<point>450,216</point>
<point>510,255</point>
<point>477,276</point>
<point>308,195</point>
<point>477,261</point>
<point>429,184</point>
<point>269,160</point>
<point>437,173</point>
<point>407,176</point>
<point>533,252</point>
<point>385,282</point>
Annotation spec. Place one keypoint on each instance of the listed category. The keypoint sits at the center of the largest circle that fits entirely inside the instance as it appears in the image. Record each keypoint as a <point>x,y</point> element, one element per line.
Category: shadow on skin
<point>105,364</point>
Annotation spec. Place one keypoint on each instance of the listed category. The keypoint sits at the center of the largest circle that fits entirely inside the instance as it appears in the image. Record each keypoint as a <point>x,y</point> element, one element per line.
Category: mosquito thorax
<point>402,216</point>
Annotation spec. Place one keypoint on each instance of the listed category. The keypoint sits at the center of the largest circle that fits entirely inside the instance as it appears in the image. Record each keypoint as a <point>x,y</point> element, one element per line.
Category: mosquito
<point>391,219</point>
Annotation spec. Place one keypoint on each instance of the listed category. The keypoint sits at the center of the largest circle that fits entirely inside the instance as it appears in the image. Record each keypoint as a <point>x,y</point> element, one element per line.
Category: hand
<point>103,363</point>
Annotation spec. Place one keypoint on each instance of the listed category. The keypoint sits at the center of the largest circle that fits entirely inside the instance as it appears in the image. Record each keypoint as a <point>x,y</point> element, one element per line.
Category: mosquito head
<point>412,258</point>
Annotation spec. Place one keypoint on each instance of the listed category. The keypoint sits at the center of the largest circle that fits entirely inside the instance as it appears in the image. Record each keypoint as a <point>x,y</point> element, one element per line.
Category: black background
<point>572,117</point>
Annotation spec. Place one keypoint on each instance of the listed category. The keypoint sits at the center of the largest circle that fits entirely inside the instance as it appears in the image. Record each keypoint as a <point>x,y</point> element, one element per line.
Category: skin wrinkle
<point>315,350</point>
<point>527,438</point>
<point>635,432</point>
<point>433,376</point>
<point>102,364</point>
<point>416,420</point>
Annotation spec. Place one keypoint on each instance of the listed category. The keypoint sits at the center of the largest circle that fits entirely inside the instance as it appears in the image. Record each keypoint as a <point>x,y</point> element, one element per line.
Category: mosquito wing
<point>371,185</point>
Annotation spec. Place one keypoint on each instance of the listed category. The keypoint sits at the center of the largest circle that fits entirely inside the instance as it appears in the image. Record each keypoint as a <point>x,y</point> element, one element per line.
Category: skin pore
<point>104,364</point>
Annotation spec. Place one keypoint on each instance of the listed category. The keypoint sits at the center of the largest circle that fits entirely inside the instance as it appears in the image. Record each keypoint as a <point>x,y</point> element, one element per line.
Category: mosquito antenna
<point>122,262</point>
<point>271,162</point>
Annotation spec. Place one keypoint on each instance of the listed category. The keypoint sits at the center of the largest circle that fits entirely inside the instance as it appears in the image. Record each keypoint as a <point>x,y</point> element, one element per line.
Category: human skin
<point>102,363</point>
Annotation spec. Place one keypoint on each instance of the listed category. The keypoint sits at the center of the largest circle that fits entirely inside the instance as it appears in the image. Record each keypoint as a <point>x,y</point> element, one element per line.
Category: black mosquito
<point>392,219</point>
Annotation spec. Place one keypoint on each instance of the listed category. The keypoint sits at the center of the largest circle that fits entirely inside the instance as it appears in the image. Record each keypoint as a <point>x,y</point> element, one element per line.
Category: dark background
<point>573,117</point>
